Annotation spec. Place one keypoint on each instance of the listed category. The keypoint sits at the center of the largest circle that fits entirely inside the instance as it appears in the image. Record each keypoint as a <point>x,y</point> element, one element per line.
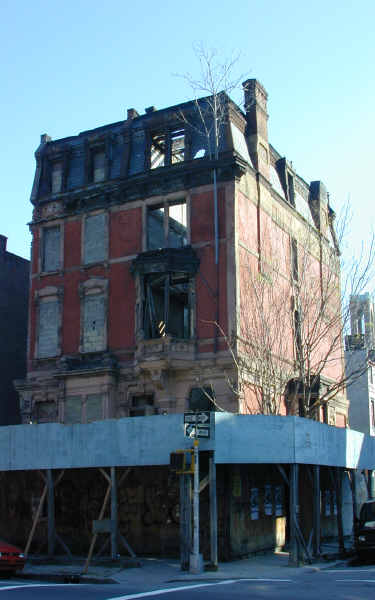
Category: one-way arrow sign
<point>198,417</point>
<point>197,424</point>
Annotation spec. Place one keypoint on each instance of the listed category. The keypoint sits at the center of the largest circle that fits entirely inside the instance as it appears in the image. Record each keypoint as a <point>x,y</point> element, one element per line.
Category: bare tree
<point>216,82</point>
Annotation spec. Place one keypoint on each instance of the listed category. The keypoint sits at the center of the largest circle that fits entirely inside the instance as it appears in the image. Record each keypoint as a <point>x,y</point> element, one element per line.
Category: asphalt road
<point>345,584</point>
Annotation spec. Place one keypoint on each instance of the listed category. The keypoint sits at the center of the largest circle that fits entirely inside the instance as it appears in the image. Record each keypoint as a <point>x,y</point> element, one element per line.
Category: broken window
<point>94,338</point>
<point>56,177</point>
<point>51,249</point>
<point>167,148</point>
<point>48,335</point>
<point>142,405</point>
<point>166,305</point>
<point>202,398</point>
<point>95,238</point>
<point>167,225</point>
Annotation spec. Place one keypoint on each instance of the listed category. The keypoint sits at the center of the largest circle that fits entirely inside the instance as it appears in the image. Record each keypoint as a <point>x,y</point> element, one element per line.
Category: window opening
<point>167,148</point>
<point>177,225</point>
<point>202,398</point>
<point>200,153</point>
<point>177,146</point>
<point>167,226</point>
<point>158,151</point>
<point>291,189</point>
<point>142,406</point>
<point>294,259</point>
<point>51,249</point>
<point>298,334</point>
<point>166,306</point>
<point>98,166</point>
<point>56,177</point>
<point>155,227</point>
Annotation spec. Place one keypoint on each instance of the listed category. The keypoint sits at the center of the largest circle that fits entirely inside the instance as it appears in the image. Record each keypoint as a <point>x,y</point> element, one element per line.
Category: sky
<point>75,65</point>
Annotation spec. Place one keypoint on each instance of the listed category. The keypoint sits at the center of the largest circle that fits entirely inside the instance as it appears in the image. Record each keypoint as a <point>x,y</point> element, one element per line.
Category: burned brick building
<point>144,232</point>
<point>14,292</point>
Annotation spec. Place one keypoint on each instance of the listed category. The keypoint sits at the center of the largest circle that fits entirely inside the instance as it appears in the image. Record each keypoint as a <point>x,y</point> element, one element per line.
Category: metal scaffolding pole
<point>51,513</point>
<point>316,509</point>
<point>114,515</point>
<point>293,504</point>
<point>213,511</point>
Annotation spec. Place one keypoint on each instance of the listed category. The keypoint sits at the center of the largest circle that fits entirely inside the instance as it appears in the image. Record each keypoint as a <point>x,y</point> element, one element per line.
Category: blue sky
<point>74,65</point>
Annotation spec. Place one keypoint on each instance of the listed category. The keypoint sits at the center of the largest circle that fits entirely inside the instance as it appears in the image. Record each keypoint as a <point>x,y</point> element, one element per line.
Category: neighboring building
<point>135,258</point>
<point>14,293</point>
<point>360,364</point>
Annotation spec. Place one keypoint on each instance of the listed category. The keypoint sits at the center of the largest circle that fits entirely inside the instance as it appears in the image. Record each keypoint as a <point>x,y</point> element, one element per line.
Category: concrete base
<point>196,563</point>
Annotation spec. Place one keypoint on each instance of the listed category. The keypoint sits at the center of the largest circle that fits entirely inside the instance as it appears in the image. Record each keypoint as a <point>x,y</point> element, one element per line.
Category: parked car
<point>12,558</point>
<point>364,530</point>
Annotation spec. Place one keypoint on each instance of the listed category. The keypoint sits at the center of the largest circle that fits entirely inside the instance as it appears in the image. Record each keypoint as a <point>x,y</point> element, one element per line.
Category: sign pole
<point>196,563</point>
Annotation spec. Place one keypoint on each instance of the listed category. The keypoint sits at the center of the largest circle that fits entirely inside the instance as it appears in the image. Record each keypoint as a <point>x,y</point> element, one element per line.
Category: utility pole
<point>196,561</point>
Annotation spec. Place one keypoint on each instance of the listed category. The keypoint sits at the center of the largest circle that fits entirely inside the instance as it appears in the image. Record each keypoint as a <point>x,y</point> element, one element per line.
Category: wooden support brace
<point>204,483</point>
<point>283,474</point>
<point>36,519</point>
<point>101,515</point>
<point>126,546</point>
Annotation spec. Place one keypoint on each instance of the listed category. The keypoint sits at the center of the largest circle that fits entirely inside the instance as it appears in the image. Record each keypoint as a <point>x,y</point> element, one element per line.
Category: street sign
<point>197,424</point>
<point>202,417</point>
<point>197,430</point>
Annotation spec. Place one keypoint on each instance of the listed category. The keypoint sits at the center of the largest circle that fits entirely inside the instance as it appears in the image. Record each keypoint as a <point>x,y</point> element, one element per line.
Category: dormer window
<point>98,166</point>
<point>167,148</point>
<point>291,189</point>
<point>56,177</point>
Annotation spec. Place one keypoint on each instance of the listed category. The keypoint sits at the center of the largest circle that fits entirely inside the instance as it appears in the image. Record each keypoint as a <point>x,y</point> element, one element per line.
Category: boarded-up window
<point>51,249</point>
<point>56,177</point>
<point>95,240</point>
<point>94,407</point>
<point>98,166</point>
<point>48,328</point>
<point>46,411</point>
<point>72,413</point>
<point>94,323</point>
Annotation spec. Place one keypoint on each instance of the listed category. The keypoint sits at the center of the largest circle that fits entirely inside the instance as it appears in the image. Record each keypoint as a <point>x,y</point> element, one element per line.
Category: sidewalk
<point>158,571</point>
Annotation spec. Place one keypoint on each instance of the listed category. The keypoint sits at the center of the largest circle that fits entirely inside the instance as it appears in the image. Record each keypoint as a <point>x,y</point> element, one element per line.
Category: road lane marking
<point>188,588</point>
<point>358,580</point>
<point>33,585</point>
<point>352,571</point>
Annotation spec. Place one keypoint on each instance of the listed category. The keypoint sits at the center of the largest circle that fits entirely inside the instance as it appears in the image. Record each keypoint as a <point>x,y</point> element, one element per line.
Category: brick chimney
<point>257,130</point>
<point>3,244</point>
